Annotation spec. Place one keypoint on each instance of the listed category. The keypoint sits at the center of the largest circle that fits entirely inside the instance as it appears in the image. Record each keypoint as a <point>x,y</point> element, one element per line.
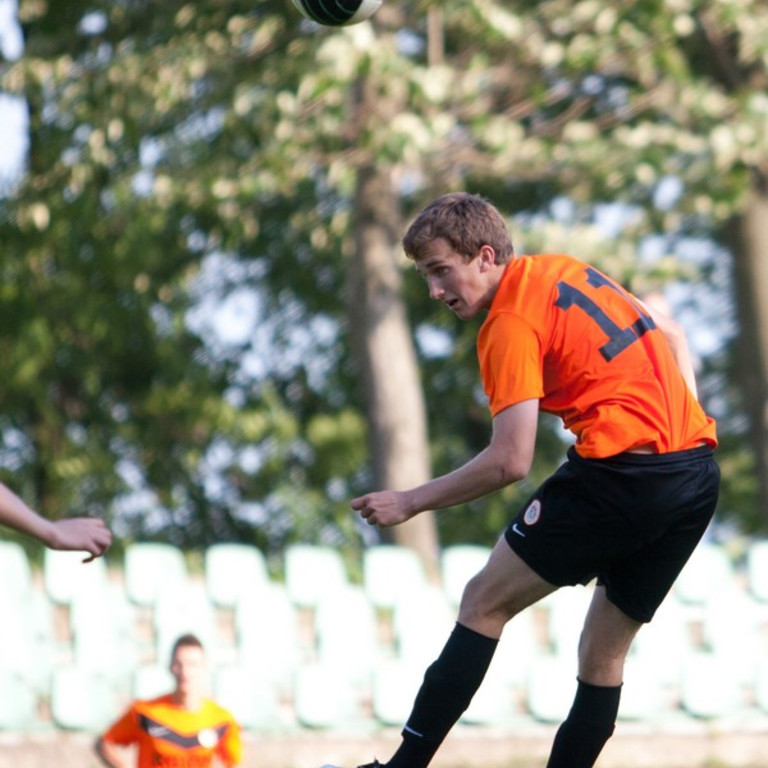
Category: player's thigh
<point>605,641</point>
<point>504,587</point>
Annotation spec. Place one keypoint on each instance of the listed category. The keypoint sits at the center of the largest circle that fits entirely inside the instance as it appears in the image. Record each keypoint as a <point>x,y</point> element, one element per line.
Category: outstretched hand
<point>383,508</point>
<point>89,534</point>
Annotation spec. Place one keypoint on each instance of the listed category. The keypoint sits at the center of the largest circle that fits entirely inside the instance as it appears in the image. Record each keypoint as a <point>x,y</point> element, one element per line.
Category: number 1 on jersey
<point>618,338</point>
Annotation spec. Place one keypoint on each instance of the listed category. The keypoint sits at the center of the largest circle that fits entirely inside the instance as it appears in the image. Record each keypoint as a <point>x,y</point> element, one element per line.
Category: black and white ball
<point>337,13</point>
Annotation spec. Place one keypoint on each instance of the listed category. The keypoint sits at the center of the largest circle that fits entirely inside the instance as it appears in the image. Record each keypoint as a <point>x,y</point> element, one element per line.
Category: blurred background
<point>210,335</point>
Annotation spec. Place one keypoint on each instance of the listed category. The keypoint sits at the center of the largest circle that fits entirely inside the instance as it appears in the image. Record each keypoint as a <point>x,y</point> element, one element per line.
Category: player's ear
<point>487,256</point>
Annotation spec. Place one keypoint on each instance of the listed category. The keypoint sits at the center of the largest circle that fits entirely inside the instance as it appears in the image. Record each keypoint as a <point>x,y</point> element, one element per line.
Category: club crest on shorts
<point>532,513</point>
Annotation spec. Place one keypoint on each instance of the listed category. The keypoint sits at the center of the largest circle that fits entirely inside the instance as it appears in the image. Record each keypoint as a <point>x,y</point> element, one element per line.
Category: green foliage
<point>165,136</point>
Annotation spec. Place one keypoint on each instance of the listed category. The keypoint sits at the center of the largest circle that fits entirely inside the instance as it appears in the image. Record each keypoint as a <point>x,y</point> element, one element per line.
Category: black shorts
<point>631,521</point>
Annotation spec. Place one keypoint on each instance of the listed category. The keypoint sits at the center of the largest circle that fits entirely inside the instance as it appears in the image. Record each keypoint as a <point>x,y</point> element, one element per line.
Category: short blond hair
<point>465,221</point>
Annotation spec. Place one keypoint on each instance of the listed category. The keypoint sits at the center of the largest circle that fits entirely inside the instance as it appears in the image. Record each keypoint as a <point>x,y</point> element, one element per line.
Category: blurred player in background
<point>86,534</point>
<point>627,508</point>
<point>182,729</point>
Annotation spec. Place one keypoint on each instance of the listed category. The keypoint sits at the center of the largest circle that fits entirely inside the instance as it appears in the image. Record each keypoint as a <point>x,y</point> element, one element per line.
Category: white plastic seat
<point>15,571</point>
<point>458,564</point>
<point>732,629</point>
<point>181,608</point>
<point>346,630</point>
<point>18,703</point>
<point>757,569</point>
<point>151,567</point>
<point>707,689</point>
<point>567,608</point>
<point>103,636</point>
<point>268,640</point>
<point>82,700</point>
<point>254,701</point>
<point>395,685</point>
<point>152,680</point>
<point>311,571</point>
<point>391,572</point>
<point>321,700</point>
<point>707,571</point>
<point>233,571</point>
<point>65,574</point>
<point>664,643</point>
<point>422,620</point>
<point>551,687</point>
<point>642,692</point>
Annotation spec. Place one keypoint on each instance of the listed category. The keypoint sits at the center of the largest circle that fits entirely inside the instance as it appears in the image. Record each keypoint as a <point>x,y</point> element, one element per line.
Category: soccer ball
<point>337,13</point>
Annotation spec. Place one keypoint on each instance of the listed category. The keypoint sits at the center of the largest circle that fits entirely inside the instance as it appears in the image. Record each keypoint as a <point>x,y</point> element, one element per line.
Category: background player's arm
<point>507,459</point>
<point>78,533</point>
<point>677,340</point>
<point>114,755</point>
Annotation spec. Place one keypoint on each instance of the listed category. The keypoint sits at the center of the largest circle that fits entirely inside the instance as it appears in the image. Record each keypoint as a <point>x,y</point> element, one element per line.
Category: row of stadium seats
<point>313,649</point>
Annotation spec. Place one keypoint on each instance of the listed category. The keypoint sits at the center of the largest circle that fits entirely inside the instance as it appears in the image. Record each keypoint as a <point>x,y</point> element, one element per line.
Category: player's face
<point>188,669</point>
<point>461,285</point>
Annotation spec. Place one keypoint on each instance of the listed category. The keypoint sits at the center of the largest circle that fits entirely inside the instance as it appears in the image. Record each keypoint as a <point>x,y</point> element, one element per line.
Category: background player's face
<point>188,669</point>
<point>463,286</point>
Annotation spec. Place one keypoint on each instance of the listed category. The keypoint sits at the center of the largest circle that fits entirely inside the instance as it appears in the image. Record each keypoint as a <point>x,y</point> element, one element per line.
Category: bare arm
<point>507,459</point>
<point>79,533</point>
<point>112,755</point>
<point>678,343</point>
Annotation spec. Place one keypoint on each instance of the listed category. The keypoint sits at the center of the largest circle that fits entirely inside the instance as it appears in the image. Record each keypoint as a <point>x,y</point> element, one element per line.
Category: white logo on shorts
<point>533,513</point>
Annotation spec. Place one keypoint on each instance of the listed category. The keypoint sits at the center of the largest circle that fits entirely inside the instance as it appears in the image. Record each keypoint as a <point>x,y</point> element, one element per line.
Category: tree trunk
<point>387,359</point>
<point>748,237</point>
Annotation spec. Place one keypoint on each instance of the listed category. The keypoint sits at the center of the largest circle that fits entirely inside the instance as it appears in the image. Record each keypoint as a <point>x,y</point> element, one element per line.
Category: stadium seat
<point>566,610</point>
<point>103,635</point>
<point>15,572</point>
<point>25,647</point>
<point>422,620</point>
<point>254,701</point>
<point>152,680</point>
<point>182,607</point>
<point>395,684</point>
<point>707,689</point>
<point>18,703</point>
<point>150,567</point>
<point>518,646</point>
<point>642,693</point>
<point>732,629</point>
<point>347,634</point>
<point>390,572</point>
<point>267,627</point>
<point>757,569</point>
<point>311,571</point>
<point>233,571</point>
<point>322,701</point>
<point>664,643</point>
<point>551,687</point>
<point>458,564</point>
<point>708,570</point>
<point>82,700</point>
<point>65,574</point>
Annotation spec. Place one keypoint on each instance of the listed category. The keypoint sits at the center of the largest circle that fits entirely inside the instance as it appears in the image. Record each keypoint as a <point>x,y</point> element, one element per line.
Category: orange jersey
<point>170,737</point>
<point>562,332</point>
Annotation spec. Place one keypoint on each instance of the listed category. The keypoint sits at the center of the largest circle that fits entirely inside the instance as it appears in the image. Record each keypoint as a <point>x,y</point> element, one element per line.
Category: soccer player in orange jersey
<point>627,508</point>
<point>182,729</point>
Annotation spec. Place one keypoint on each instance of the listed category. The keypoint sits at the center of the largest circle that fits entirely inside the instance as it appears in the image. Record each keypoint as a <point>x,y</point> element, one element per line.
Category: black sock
<point>448,687</point>
<point>589,725</point>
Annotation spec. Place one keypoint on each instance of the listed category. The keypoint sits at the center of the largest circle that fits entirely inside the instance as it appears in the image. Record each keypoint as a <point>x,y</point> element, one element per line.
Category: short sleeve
<point>511,361</point>
<point>230,747</point>
<point>123,731</point>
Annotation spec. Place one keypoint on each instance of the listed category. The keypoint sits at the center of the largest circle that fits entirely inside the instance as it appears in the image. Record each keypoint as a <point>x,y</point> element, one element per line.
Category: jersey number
<point>618,338</point>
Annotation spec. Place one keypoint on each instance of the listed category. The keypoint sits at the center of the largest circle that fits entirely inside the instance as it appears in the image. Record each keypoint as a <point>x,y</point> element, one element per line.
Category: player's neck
<point>187,700</point>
